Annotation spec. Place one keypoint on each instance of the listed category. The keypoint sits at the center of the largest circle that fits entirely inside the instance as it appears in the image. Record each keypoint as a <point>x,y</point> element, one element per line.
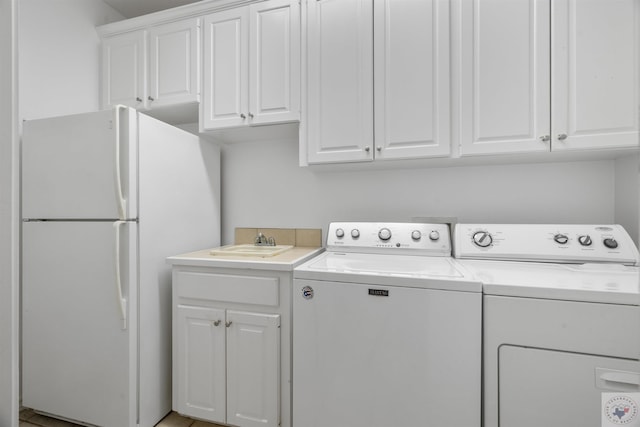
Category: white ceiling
<point>133,8</point>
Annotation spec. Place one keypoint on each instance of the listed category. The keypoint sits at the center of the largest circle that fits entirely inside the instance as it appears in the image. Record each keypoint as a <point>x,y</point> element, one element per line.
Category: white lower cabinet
<point>227,347</point>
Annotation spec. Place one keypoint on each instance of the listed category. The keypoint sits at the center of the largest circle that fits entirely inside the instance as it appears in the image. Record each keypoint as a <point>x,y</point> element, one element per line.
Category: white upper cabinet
<point>377,80</point>
<point>537,75</point>
<point>595,68</point>
<point>411,79</point>
<point>154,67</point>
<point>124,70</point>
<point>174,50</point>
<point>225,75</point>
<point>504,76</point>
<point>251,72</point>
<point>339,105</point>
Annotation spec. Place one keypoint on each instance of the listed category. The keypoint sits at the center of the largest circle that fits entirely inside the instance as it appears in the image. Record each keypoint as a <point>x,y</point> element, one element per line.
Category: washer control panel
<point>390,237</point>
<point>568,243</point>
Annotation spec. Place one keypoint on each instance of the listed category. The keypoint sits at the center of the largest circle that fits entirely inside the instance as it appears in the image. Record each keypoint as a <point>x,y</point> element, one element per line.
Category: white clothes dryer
<point>386,331</point>
<point>561,321</point>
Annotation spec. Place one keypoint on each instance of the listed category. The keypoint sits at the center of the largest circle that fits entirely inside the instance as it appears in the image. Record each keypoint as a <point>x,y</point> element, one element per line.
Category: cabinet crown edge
<point>169,15</point>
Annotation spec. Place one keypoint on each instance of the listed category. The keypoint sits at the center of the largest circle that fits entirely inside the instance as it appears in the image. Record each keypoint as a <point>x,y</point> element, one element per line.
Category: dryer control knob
<point>611,243</point>
<point>384,234</point>
<point>561,238</point>
<point>585,240</point>
<point>434,235</point>
<point>355,233</point>
<point>482,239</point>
<point>416,235</point>
<point>339,233</point>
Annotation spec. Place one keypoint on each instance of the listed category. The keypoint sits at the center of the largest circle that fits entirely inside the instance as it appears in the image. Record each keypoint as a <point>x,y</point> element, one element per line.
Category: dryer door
<point>559,389</point>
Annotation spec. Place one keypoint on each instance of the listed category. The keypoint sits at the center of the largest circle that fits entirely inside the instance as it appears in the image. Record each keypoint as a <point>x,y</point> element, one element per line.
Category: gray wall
<point>263,186</point>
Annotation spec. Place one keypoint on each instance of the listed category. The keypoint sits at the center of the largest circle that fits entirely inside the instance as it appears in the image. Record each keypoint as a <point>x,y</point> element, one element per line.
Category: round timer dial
<point>482,239</point>
<point>384,234</point>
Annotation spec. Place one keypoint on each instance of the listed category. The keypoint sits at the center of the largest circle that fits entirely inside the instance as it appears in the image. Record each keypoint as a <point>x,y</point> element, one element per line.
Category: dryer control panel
<point>389,237</point>
<point>565,243</point>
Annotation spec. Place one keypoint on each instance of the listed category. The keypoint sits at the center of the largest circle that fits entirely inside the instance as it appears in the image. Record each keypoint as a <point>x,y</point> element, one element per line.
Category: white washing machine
<point>386,331</point>
<point>561,320</point>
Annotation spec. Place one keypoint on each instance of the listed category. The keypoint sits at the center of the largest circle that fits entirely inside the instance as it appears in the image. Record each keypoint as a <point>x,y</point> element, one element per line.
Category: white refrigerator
<point>106,197</point>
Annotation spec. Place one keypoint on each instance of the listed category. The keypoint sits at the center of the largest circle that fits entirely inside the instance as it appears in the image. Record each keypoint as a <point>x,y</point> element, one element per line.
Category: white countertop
<point>286,261</point>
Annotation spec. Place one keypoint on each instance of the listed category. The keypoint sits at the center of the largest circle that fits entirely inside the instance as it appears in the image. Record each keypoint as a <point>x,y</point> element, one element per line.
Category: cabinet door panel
<point>124,70</point>
<point>274,56</point>
<point>411,78</point>
<point>173,69</point>
<point>253,369</point>
<point>340,80</point>
<point>504,76</point>
<point>201,363</point>
<point>225,69</point>
<point>595,73</point>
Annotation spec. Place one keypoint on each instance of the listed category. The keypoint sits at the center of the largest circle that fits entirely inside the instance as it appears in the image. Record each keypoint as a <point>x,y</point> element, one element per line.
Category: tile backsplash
<point>302,237</point>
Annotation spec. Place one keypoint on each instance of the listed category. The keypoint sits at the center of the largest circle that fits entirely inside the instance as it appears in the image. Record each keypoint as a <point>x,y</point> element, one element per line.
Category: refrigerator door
<point>78,362</point>
<point>80,166</point>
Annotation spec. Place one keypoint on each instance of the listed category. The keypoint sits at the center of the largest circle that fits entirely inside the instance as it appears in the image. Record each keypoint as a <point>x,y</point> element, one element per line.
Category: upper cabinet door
<point>504,72</point>
<point>174,51</point>
<point>412,84</point>
<point>225,81</point>
<point>339,125</point>
<point>274,62</point>
<point>595,70</point>
<point>124,70</point>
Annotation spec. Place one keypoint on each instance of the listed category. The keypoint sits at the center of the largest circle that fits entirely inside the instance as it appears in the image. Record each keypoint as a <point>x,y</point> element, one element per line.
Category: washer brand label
<point>307,292</point>
<point>379,292</point>
<point>620,409</point>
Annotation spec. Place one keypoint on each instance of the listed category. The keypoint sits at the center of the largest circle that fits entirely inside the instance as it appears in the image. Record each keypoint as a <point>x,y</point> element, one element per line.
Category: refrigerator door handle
<point>122,203</point>
<point>122,302</point>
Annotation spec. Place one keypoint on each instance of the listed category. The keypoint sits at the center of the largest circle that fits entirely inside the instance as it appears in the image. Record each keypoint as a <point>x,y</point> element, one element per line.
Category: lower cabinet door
<point>201,363</point>
<point>253,369</point>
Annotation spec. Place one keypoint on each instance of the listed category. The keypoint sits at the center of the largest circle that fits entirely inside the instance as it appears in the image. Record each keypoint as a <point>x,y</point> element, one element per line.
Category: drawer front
<point>228,288</point>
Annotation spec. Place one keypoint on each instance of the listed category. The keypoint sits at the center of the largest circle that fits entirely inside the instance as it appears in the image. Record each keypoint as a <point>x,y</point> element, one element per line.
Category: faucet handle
<point>271,241</point>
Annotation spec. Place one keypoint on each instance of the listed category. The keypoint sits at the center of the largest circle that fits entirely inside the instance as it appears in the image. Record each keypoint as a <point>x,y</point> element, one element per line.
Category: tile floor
<point>28,418</point>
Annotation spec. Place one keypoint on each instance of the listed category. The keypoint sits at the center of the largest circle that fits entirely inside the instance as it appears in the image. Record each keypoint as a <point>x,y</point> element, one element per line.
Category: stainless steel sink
<point>251,250</point>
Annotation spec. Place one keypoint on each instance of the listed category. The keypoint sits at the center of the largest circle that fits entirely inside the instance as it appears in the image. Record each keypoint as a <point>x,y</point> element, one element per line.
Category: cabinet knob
<point>138,99</point>
<point>545,138</point>
<point>562,137</point>
<point>251,115</point>
<point>150,98</point>
<point>379,148</point>
<point>216,322</point>
<point>242,116</point>
<point>228,324</point>
<point>367,148</point>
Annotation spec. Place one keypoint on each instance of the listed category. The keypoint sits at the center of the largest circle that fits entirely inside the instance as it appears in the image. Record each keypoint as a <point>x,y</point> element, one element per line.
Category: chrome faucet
<point>262,240</point>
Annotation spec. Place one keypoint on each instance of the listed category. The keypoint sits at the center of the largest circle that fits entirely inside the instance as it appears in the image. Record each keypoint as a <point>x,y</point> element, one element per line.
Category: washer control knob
<point>355,233</point>
<point>585,240</point>
<point>610,242</point>
<point>339,233</point>
<point>434,235</point>
<point>384,234</point>
<point>482,238</point>
<point>416,235</point>
<point>561,238</point>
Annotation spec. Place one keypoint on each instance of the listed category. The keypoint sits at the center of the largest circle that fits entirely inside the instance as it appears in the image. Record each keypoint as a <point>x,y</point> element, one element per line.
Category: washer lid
<point>391,270</point>
<point>605,283</point>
